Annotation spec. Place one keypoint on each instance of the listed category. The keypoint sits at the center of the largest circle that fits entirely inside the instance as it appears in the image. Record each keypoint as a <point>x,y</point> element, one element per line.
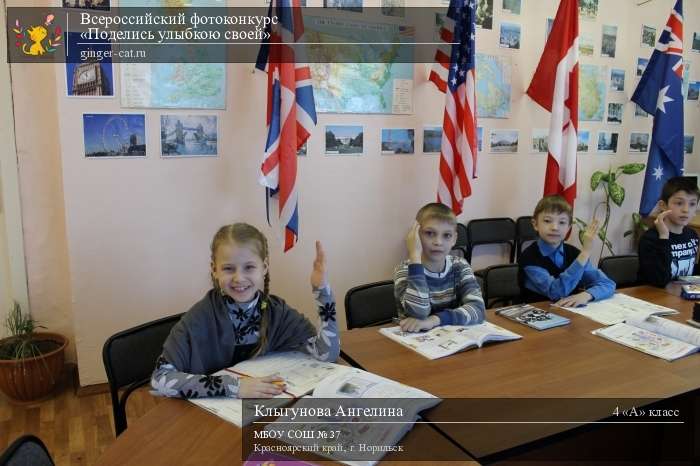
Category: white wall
<point>138,231</point>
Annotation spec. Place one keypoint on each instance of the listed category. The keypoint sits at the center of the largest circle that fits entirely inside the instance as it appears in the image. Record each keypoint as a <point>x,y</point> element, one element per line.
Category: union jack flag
<point>659,92</point>
<point>454,74</point>
<point>291,113</point>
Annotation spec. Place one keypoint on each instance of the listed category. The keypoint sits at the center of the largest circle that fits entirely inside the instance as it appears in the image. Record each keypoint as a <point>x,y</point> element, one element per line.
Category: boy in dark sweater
<point>669,250</point>
<point>553,270</point>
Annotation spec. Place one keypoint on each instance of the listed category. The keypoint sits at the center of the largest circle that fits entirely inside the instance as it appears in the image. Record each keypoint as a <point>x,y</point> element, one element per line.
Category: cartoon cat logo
<point>36,36</point>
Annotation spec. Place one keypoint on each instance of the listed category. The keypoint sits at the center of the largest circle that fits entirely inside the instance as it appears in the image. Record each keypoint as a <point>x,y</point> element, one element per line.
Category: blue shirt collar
<point>547,249</point>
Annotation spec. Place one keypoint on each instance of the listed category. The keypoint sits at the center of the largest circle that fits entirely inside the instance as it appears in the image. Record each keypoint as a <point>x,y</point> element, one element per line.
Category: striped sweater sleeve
<point>411,291</point>
<point>471,310</point>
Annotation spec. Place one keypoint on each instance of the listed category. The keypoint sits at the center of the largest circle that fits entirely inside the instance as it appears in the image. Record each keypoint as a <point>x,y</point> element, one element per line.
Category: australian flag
<point>659,93</point>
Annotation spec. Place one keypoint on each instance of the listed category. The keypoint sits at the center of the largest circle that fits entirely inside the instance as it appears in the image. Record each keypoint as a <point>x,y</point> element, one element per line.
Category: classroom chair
<point>621,269</point>
<point>370,304</point>
<point>130,358</point>
<point>501,285</point>
<point>524,234</point>
<point>26,450</point>
<point>482,231</point>
<point>461,246</point>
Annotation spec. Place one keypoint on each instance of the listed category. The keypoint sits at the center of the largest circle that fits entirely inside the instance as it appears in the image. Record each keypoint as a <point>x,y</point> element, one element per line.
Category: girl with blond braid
<point>238,319</point>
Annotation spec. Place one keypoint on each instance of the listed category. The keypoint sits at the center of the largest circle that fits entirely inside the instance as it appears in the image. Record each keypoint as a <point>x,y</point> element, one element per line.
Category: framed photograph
<point>189,135</point>
<point>607,142</point>
<point>583,138</point>
<point>484,14</point>
<point>585,44</point>
<point>638,112</point>
<point>510,36</point>
<point>693,90</point>
<point>479,138</point>
<point>648,36</point>
<point>617,80</point>
<point>395,8</point>
<point>512,6</point>
<point>398,141</point>
<point>639,142</point>
<point>114,135</point>
<point>696,42</point>
<point>615,111</point>
<point>89,70</point>
<point>345,5</point>
<point>588,9</point>
<point>344,140</point>
<point>503,141</point>
<point>539,141</point>
<point>432,139</point>
<point>608,42</point>
<point>641,65</point>
<point>688,142</point>
<point>87,4</point>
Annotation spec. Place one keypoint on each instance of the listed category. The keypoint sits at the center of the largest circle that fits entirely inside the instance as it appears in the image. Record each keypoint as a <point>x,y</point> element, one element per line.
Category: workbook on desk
<point>449,339</point>
<point>362,408</point>
<point>657,336</point>
<point>532,316</point>
<point>619,308</point>
<point>301,373</point>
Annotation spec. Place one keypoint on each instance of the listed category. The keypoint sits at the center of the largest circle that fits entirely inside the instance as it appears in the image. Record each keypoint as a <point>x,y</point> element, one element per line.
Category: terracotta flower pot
<point>33,378</point>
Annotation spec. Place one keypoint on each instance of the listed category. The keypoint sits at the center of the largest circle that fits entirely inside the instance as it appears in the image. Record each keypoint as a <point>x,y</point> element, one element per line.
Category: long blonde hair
<point>243,233</point>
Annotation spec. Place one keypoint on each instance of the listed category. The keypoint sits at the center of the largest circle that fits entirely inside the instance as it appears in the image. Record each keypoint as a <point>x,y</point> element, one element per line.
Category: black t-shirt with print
<point>664,260</point>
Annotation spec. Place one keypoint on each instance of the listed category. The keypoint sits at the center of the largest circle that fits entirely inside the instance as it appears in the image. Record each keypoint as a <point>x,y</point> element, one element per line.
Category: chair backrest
<point>524,233</point>
<point>370,304</point>
<point>27,450</point>
<point>501,285</point>
<point>462,245</point>
<point>491,231</point>
<point>130,358</point>
<point>621,269</point>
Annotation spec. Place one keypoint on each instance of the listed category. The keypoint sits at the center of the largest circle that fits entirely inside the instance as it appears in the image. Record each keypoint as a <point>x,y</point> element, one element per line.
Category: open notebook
<point>449,339</point>
<point>619,308</point>
<point>657,336</point>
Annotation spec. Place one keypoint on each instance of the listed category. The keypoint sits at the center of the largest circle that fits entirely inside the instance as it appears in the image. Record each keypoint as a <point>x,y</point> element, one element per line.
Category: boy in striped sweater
<point>432,287</point>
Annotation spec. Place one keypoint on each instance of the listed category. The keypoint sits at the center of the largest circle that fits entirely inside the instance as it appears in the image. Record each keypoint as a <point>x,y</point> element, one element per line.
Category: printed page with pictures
<point>619,308</point>
<point>647,341</point>
<point>301,373</point>
<point>449,339</point>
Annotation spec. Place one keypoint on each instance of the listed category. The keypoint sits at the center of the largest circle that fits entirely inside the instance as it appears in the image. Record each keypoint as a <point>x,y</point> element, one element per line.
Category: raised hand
<point>318,273</point>
<point>589,235</point>
<point>413,244</point>
<point>661,225</point>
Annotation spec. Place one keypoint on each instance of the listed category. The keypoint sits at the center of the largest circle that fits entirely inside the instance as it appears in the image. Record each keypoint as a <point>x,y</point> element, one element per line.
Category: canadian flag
<point>555,87</point>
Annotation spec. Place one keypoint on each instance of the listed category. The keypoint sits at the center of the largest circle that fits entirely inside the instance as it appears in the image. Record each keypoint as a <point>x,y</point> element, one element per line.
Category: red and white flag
<point>555,87</point>
<point>454,74</point>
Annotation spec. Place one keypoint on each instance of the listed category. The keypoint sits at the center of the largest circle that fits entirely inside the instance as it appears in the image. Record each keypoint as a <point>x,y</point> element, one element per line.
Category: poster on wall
<point>510,36</point>
<point>89,69</point>
<point>398,141</point>
<point>114,135</point>
<point>484,14</point>
<point>588,9</point>
<point>608,42</point>
<point>693,90</point>
<point>503,141</point>
<point>346,5</point>
<point>585,44</point>
<point>479,138</point>
<point>688,142</point>
<point>188,135</point>
<point>432,139</point>
<point>344,140</point>
<point>607,142</point>
<point>617,80</point>
<point>493,88</point>
<point>540,137</point>
<point>512,6</point>
<point>648,36</point>
<point>639,142</point>
<point>615,111</point>
<point>696,42</point>
<point>641,65</point>
<point>395,8</point>
<point>592,92</point>
<point>584,136</point>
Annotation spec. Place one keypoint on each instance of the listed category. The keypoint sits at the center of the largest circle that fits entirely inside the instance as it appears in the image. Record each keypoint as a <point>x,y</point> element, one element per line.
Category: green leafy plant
<point>638,227</point>
<point>21,343</point>
<point>614,193</point>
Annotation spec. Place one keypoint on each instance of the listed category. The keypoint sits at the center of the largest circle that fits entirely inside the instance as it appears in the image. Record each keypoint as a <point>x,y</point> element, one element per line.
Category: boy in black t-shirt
<point>669,250</point>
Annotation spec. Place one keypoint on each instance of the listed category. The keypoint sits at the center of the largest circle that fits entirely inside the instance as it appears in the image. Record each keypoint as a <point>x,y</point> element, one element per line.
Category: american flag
<point>291,114</point>
<point>454,74</point>
<point>659,93</point>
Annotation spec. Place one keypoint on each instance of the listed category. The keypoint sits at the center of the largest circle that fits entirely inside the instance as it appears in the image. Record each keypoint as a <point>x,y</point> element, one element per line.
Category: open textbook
<point>619,308</point>
<point>368,412</point>
<point>657,336</point>
<point>301,373</point>
<point>449,339</point>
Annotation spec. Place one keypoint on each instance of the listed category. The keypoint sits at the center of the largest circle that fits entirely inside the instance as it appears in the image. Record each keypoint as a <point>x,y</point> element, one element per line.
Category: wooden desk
<point>177,432</point>
<point>695,224</point>
<point>563,362</point>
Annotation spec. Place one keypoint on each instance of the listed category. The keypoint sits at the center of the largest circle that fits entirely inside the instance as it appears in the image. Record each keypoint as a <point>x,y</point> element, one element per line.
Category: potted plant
<point>31,362</point>
<point>613,192</point>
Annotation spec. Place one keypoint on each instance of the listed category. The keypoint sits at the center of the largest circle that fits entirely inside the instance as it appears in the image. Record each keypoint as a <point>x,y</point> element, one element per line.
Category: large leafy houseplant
<point>614,193</point>
<point>31,362</point>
